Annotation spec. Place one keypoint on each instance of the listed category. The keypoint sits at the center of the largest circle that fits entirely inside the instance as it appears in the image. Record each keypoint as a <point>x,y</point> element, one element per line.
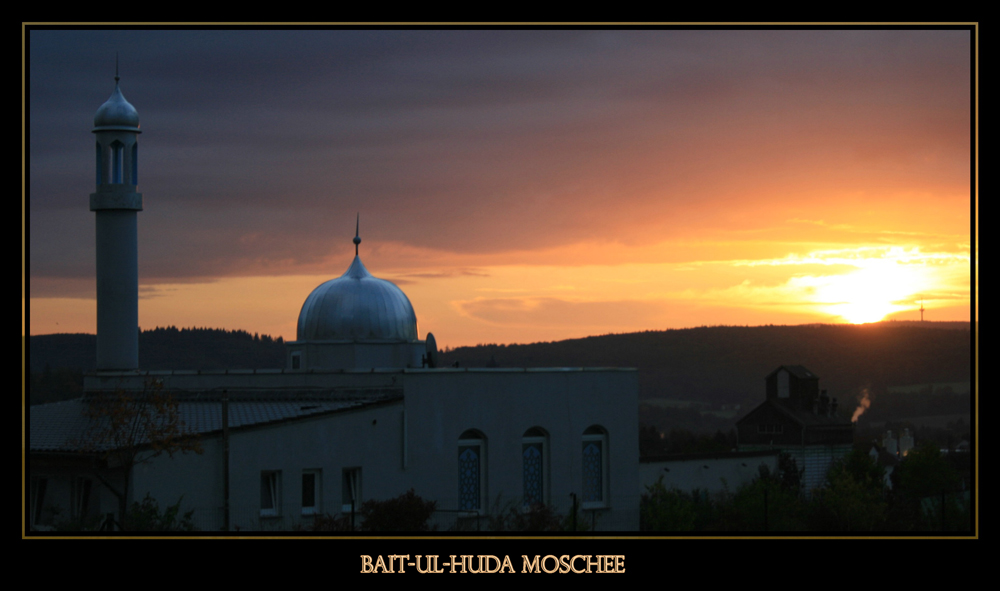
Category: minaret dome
<point>116,113</point>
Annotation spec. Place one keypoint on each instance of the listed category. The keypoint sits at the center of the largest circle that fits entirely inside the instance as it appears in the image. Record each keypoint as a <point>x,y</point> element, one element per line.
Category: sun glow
<point>872,292</point>
<point>857,285</point>
<point>880,286</point>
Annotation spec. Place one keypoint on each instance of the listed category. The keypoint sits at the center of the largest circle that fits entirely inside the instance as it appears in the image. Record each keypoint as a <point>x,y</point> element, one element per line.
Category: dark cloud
<point>259,147</point>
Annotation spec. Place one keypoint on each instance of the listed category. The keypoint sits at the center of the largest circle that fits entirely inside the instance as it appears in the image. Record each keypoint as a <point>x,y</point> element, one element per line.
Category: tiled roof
<point>805,418</point>
<point>56,426</point>
<point>811,419</point>
<point>61,426</point>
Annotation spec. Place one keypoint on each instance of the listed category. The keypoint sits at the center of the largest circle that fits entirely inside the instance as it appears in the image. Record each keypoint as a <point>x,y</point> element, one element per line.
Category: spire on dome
<point>358,307</point>
<point>357,236</point>
<point>116,114</point>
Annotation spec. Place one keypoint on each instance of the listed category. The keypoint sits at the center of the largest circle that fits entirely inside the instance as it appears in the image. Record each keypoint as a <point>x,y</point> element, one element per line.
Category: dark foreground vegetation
<point>927,493</point>
<point>57,363</point>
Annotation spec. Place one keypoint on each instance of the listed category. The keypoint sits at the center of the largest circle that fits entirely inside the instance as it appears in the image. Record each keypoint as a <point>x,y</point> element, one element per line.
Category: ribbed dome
<point>357,307</point>
<point>116,113</point>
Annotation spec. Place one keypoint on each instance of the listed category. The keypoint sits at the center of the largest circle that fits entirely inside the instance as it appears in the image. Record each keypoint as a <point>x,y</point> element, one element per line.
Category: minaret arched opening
<point>117,162</point>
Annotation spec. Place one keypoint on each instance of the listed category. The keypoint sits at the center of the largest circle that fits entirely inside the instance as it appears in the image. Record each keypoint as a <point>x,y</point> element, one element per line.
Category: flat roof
<point>375,370</point>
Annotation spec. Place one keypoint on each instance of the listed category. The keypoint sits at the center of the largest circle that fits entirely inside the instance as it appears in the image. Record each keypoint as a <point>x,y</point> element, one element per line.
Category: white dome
<point>116,113</point>
<point>357,307</point>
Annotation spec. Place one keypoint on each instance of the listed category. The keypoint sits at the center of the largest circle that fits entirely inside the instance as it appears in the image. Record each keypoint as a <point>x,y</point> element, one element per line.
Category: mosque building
<point>361,410</point>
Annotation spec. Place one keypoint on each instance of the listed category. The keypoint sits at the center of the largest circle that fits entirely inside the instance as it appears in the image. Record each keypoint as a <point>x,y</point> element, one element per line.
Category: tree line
<point>926,493</point>
<point>728,364</point>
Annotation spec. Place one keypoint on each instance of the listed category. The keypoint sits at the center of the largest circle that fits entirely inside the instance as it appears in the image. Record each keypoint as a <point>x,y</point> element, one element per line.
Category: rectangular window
<point>311,481</point>
<point>38,486</point>
<point>81,497</point>
<point>351,490</point>
<point>270,493</point>
<point>297,360</point>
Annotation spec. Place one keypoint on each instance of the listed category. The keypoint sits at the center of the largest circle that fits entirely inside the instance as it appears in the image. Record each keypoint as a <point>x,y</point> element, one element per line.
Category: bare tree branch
<point>131,428</point>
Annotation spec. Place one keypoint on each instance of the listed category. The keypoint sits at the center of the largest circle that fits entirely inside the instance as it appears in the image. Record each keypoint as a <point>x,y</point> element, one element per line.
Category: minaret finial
<point>116,67</point>
<point>357,235</point>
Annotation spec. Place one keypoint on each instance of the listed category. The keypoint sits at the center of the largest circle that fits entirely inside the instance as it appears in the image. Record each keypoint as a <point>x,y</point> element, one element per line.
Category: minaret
<point>116,203</point>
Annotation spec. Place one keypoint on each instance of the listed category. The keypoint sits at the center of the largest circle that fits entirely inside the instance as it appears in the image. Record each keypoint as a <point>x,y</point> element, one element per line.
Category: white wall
<point>503,405</point>
<point>423,431</point>
<point>712,473</point>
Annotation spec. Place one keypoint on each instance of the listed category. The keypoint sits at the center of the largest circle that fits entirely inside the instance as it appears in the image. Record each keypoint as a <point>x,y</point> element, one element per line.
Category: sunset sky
<point>519,186</point>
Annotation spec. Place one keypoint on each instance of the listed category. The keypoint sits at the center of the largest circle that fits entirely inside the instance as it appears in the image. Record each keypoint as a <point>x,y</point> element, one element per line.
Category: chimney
<point>823,406</point>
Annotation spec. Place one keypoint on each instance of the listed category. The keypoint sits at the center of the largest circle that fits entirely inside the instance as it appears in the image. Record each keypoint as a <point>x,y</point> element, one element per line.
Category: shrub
<point>663,509</point>
<point>513,516</point>
<point>407,512</point>
<point>146,516</point>
<point>327,522</point>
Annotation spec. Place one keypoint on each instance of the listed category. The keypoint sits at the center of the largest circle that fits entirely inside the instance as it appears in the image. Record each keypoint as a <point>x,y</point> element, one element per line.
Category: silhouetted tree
<point>663,509</point>
<point>853,498</point>
<point>771,502</point>
<point>407,512</point>
<point>927,491</point>
<point>131,428</point>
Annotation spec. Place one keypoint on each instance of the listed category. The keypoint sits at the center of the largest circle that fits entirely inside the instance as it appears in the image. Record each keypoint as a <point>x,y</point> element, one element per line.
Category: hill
<point>164,348</point>
<point>717,365</point>
<point>728,364</point>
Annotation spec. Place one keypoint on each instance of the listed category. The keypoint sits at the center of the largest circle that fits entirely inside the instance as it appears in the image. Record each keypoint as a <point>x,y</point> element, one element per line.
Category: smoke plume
<point>863,403</point>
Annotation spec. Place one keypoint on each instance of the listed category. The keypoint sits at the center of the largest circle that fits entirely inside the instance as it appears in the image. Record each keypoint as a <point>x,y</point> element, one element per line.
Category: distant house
<point>890,452</point>
<point>799,419</point>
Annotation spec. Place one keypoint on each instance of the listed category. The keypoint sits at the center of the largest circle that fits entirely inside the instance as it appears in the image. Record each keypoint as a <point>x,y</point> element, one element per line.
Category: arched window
<point>595,467</point>
<point>783,384</point>
<point>117,161</point>
<point>471,470</point>
<point>534,458</point>
<point>135,164</point>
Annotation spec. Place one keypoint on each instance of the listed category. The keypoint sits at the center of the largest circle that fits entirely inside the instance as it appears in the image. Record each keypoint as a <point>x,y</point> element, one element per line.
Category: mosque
<point>361,410</point>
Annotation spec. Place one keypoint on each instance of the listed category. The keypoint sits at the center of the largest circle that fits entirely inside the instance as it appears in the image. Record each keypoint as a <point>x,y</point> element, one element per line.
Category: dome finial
<point>357,236</point>
<point>116,114</point>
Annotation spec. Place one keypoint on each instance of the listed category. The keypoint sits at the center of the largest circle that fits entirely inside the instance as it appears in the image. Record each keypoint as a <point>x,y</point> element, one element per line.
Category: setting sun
<point>885,281</point>
<point>539,186</point>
